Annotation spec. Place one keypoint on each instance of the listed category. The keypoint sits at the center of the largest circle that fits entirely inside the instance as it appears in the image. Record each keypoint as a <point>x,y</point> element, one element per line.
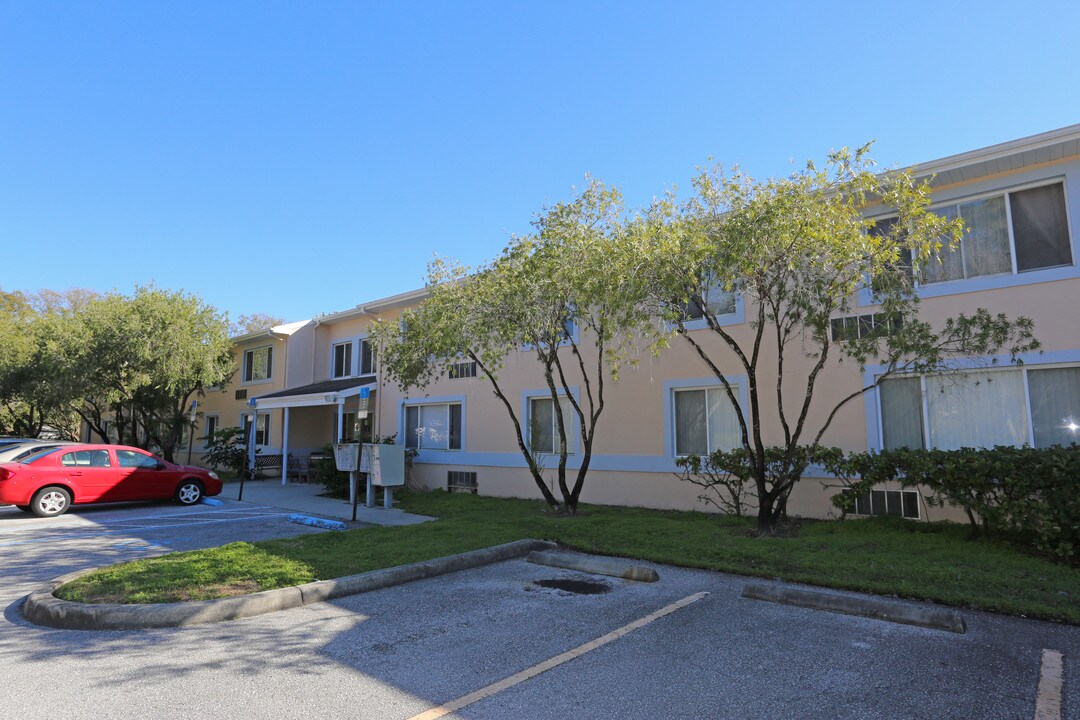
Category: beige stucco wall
<point>632,461</point>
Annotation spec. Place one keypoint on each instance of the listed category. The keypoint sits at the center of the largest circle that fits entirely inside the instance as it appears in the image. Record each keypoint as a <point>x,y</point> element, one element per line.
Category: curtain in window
<point>1055,405</point>
<point>412,426</point>
<point>901,413</point>
<point>948,263</point>
<point>724,432</point>
<point>1040,227</point>
<point>434,427</point>
<point>542,425</point>
<point>986,244</point>
<point>690,436</point>
<point>977,409</point>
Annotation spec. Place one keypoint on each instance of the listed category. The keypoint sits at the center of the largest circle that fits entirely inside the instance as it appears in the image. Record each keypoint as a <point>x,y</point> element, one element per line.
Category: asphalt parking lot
<point>412,650</point>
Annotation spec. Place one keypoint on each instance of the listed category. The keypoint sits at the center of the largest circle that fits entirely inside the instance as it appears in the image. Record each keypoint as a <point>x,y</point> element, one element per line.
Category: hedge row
<point>1029,494</point>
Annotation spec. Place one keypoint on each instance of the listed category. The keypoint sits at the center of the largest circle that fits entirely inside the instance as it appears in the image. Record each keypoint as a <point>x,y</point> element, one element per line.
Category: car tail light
<point>6,473</point>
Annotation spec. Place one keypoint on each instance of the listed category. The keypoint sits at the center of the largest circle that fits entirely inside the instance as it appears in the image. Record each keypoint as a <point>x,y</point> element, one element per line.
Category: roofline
<point>994,152</point>
<point>372,307</point>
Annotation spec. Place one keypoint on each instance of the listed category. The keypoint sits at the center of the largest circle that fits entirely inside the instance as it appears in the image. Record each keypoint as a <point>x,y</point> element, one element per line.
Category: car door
<point>90,472</point>
<point>143,476</point>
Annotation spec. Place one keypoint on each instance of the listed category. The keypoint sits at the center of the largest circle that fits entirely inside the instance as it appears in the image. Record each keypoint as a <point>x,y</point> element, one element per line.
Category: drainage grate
<point>579,587</point>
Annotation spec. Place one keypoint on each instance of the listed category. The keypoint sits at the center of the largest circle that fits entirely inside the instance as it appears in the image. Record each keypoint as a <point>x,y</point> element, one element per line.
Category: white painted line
<point>1048,699</point>
<point>122,531</point>
<point>486,692</point>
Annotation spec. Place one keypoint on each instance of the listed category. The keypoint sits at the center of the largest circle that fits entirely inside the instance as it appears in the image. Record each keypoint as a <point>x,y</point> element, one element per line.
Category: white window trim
<point>243,366</point>
<point>357,342</point>
<point>349,371</point>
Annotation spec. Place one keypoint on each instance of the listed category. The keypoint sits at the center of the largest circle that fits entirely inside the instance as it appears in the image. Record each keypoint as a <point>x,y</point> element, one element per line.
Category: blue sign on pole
<point>365,393</point>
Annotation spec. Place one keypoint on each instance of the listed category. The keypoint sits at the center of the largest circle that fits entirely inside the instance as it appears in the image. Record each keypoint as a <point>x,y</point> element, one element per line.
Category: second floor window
<point>342,360</point>
<point>258,364</point>
<point>367,359</point>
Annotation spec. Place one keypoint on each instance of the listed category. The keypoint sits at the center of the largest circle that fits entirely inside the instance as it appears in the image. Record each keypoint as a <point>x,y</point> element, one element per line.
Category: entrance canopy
<point>320,394</point>
<point>327,392</point>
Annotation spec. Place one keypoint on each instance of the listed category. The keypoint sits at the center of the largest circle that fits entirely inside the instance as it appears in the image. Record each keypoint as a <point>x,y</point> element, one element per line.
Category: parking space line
<point>518,678</point>
<point>1048,699</point>
<point>122,531</point>
<point>78,522</point>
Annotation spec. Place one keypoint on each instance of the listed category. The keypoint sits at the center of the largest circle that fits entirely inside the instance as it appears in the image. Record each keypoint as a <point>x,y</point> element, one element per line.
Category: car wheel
<point>189,492</point>
<point>50,502</point>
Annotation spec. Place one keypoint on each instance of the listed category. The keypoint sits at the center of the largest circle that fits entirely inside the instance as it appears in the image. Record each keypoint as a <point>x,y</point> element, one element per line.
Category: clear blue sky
<point>300,158</point>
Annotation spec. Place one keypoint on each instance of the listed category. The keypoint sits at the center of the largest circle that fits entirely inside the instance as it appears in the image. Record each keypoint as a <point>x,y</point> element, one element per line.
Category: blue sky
<point>300,158</point>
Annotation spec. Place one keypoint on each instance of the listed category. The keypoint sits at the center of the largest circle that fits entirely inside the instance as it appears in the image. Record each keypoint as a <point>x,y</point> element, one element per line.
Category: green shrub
<point>1027,494</point>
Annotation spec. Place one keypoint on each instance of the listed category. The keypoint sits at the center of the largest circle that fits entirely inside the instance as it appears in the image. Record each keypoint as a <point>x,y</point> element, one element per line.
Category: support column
<point>285,449</point>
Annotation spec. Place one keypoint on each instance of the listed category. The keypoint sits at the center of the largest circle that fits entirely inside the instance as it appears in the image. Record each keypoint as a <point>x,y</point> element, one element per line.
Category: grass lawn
<point>930,561</point>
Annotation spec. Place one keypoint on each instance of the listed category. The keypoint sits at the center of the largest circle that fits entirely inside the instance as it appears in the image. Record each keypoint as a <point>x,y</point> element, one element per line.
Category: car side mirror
<point>160,465</point>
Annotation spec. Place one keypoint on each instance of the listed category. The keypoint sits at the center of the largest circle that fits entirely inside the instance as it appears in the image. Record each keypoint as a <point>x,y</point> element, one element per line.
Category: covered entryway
<point>313,405</point>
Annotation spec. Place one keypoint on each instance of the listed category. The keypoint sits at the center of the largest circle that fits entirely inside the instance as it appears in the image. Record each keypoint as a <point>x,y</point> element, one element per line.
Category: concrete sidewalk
<point>307,499</point>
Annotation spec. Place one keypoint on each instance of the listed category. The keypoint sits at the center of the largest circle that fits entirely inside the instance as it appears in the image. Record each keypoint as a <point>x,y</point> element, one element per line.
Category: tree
<point>33,391</point>
<point>247,324</point>
<point>142,359</point>
<point>799,250</point>
<point>568,296</point>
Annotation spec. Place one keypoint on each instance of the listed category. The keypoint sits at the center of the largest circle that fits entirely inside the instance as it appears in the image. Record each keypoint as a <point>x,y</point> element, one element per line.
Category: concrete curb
<point>317,522</point>
<point>596,566</point>
<point>43,608</point>
<point>877,608</point>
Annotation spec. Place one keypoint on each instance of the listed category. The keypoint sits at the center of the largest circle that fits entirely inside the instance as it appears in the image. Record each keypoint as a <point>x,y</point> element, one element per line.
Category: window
<point>258,364</point>
<point>367,358</point>
<point>262,428</point>
<point>717,302</point>
<point>861,326</point>
<point>705,421</point>
<point>544,428</point>
<point>461,370</point>
<point>1055,405</point>
<point>1037,236</point>
<point>342,360</point>
<point>212,425</point>
<point>903,503</point>
<point>354,429</point>
<point>1012,406</point>
<point>132,459</point>
<point>86,458</point>
<point>435,426</point>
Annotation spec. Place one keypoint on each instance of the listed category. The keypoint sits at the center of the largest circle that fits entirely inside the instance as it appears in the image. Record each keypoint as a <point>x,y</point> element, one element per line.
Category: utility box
<point>346,456</point>
<point>384,464</point>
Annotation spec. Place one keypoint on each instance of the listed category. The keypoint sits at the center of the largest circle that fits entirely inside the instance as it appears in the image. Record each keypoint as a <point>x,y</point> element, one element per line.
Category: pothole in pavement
<point>578,587</point>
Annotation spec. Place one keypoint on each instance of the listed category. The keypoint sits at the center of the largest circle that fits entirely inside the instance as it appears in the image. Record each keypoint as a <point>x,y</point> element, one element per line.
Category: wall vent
<point>241,394</point>
<point>461,481</point>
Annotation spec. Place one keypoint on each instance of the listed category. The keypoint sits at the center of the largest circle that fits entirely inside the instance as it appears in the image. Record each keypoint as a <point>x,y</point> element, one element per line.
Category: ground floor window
<point>434,426</point>
<point>354,429</point>
<point>705,421</point>
<point>1007,406</point>
<point>262,428</point>
<point>544,425</point>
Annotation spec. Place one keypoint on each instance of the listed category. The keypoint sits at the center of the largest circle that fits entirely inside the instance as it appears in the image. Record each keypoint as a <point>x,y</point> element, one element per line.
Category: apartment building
<point>313,382</point>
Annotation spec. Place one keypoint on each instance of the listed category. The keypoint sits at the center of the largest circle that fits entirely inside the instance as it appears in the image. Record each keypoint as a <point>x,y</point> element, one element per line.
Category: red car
<point>50,482</point>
